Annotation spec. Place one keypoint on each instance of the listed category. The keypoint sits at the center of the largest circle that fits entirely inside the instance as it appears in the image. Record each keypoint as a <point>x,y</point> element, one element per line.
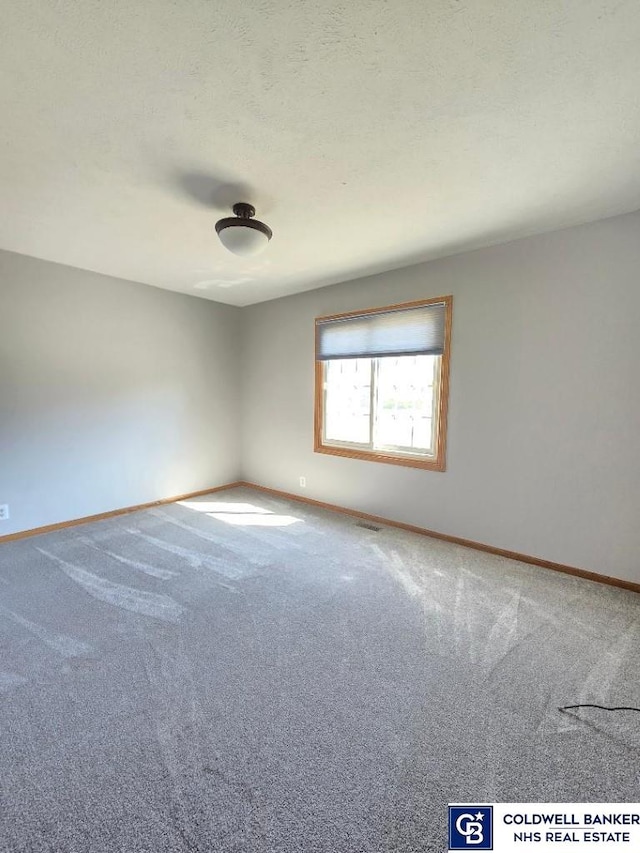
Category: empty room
<point>319,426</point>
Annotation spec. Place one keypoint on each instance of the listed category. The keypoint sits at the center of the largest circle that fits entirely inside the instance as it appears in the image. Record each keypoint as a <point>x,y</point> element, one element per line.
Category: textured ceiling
<point>368,134</point>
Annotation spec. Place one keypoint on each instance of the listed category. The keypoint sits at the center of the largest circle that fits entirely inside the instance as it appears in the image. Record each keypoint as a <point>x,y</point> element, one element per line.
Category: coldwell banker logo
<point>470,827</point>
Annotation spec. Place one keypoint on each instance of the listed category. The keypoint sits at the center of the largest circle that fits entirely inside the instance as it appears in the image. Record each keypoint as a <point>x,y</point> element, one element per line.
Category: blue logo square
<point>470,827</point>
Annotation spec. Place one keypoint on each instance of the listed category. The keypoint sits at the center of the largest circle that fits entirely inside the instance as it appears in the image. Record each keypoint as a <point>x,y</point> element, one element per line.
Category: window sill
<point>430,464</point>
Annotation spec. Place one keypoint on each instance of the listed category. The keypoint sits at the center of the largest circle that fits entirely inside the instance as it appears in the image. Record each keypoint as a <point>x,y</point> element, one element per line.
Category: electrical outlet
<point>4,512</point>
<point>303,482</point>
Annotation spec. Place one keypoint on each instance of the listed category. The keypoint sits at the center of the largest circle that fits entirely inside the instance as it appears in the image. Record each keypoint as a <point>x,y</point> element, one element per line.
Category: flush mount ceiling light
<point>241,234</point>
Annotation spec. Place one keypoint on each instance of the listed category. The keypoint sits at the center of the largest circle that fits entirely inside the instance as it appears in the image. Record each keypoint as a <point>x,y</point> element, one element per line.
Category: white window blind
<point>402,331</point>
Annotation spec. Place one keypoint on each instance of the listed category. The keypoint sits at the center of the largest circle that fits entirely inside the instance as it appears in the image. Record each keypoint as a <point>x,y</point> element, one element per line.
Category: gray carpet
<point>276,678</point>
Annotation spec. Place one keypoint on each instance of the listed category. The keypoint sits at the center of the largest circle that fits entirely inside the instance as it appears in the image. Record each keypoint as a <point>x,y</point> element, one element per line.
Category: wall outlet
<point>4,512</point>
<point>303,482</point>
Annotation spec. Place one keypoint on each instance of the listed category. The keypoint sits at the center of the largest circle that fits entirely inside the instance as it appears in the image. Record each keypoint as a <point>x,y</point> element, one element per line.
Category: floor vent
<point>367,525</point>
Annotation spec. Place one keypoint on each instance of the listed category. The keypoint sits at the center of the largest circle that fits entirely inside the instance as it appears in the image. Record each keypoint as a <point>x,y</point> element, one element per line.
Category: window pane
<point>404,400</point>
<point>347,405</point>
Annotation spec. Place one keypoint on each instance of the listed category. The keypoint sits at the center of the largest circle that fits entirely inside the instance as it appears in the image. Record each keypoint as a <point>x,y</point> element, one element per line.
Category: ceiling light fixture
<point>241,234</point>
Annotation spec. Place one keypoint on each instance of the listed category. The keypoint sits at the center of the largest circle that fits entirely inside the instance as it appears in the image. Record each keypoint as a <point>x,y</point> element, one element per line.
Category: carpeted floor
<point>240,673</point>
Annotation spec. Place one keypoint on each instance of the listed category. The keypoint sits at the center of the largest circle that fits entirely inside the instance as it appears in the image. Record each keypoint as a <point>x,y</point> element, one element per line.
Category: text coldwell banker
<point>542,818</point>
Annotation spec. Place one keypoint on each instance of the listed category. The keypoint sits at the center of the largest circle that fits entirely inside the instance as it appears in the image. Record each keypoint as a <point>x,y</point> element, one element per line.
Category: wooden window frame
<point>437,462</point>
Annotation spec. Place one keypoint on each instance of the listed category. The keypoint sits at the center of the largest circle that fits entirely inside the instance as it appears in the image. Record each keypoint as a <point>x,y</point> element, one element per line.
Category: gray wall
<point>111,393</point>
<point>544,415</point>
<point>114,393</point>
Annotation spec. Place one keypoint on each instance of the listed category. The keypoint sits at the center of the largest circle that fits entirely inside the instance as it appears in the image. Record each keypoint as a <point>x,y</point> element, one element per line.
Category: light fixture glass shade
<point>242,239</point>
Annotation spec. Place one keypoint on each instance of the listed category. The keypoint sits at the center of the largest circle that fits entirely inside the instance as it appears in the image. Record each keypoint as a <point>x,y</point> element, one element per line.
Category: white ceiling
<point>369,134</point>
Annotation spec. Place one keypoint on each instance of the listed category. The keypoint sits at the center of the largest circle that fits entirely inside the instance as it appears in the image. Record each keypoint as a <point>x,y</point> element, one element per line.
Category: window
<point>382,383</point>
